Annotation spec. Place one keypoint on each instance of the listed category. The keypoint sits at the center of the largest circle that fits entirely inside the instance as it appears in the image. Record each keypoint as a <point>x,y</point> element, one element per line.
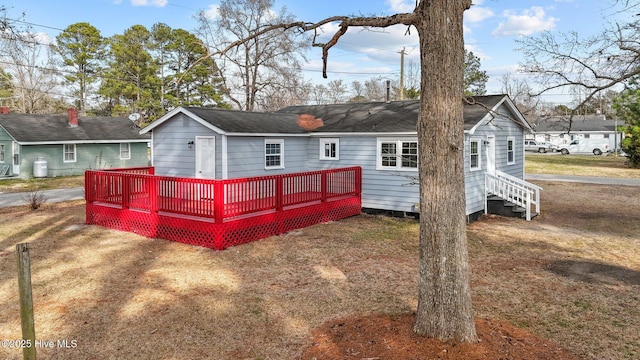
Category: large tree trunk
<point>444,299</point>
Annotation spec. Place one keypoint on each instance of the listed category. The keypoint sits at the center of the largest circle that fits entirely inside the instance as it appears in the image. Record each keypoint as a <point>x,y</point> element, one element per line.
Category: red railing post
<point>124,180</point>
<point>323,185</point>
<point>279,193</point>
<point>88,187</point>
<point>358,181</point>
<point>218,201</point>
<point>152,191</point>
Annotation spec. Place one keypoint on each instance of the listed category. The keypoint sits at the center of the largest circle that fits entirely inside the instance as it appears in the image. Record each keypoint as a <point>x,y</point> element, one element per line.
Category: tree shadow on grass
<point>595,273</point>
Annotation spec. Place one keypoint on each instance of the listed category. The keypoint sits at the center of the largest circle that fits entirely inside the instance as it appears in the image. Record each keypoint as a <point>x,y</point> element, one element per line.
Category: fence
<point>219,213</point>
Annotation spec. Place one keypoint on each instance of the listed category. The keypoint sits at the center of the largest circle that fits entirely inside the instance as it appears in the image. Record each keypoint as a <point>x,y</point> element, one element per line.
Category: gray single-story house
<point>561,130</point>
<point>33,145</point>
<point>380,137</point>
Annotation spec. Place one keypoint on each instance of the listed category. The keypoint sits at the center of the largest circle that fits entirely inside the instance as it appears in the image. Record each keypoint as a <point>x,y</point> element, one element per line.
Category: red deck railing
<point>219,213</point>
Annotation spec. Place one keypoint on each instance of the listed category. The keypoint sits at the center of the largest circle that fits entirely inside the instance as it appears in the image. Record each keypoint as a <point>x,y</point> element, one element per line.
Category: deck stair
<point>498,206</point>
<point>508,195</point>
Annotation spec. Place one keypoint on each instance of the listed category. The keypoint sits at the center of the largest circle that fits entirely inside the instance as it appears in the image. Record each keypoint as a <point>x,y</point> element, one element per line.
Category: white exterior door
<point>16,157</point>
<point>205,157</point>
<point>491,154</point>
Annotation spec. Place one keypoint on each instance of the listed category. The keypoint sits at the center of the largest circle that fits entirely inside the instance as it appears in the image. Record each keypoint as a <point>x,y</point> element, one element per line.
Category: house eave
<point>186,112</point>
<point>62,142</point>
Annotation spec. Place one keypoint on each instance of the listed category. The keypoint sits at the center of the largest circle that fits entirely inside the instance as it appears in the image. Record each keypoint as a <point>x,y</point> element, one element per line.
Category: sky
<point>492,28</point>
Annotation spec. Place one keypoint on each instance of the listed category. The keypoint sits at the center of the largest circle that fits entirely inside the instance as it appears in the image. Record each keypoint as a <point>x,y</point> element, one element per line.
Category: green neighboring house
<point>33,145</point>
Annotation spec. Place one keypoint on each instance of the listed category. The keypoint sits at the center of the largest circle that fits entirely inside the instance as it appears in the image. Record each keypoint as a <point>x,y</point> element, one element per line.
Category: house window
<point>396,154</point>
<point>1,153</point>
<point>16,153</point>
<point>273,154</point>
<point>474,154</point>
<point>511,153</point>
<point>125,151</point>
<point>69,152</point>
<point>329,149</point>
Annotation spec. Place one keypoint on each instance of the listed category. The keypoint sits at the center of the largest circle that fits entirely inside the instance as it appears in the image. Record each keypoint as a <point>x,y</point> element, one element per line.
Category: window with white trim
<point>1,153</point>
<point>511,151</point>
<point>397,154</point>
<point>329,149</point>
<point>474,154</point>
<point>273,154</point>
<point>69,151</point>
<point>125,151</point>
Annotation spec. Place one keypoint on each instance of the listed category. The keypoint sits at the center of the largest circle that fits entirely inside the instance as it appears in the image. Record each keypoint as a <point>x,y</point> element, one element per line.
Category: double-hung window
<point>511,151</point>
<point>397,154</point>
<point>125,151</point>
<point>274,154</point>
<point>1,153</point>
<point>329,149</point>
<point>69,151</point>
<point>474,154</point>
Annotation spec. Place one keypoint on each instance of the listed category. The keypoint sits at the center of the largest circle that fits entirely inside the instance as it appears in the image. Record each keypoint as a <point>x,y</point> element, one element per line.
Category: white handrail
<point>514,190</point>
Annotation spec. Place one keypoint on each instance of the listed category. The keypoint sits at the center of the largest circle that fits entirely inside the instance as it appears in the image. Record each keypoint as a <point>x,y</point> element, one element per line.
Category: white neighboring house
<point>560,130</point>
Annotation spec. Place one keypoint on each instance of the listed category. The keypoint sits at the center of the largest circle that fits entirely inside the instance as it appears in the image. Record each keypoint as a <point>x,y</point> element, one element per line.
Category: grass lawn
<point>572,275</point>
<point>580,165</point>
<point>21,185</point>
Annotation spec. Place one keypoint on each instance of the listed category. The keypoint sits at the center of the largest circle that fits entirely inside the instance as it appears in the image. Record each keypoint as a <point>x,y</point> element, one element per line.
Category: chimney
<point>388,90</point>
<point>4,110</point>
<point>73,117</point>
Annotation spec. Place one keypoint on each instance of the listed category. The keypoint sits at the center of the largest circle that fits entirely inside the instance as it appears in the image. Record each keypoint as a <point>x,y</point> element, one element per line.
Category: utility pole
<point>402,74</point>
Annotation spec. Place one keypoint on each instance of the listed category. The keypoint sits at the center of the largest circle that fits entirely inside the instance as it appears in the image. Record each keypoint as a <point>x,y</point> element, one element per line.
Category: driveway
<point>584,179</point>
<point>51,196</point>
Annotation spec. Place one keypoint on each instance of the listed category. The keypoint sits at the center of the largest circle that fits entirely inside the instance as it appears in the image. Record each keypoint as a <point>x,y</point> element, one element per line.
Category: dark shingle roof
<point>594,123</point>
<point>363,117</point>
<point>235,121</point>
<point>54,128</point>
<point>395,116</point>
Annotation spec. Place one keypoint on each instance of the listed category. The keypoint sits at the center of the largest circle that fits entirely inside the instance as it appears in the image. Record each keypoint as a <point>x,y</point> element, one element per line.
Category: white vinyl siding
<point>69,153</point>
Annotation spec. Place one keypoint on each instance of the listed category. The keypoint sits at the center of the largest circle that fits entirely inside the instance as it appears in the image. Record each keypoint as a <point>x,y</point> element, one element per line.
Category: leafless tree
<point>590,65</point>
<point>375,89</point>
<point>337,91</point>
<point>319,95</point>
<point>252,69</point>
<point>358,89</point>
<point>279,95</point>
<point>33,70</point>
<point>444,295</point>
<point>521,93</point>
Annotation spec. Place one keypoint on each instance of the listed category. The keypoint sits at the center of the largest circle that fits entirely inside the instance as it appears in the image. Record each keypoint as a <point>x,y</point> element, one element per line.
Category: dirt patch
<point>391,337</point>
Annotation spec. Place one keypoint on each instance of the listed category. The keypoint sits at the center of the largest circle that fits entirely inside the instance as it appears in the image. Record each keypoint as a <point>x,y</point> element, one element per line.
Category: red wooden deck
<point>219,213</point>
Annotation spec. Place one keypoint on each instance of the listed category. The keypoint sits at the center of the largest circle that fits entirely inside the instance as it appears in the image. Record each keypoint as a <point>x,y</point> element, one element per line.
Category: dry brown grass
<point>13,185</point>
<point>571,275</point>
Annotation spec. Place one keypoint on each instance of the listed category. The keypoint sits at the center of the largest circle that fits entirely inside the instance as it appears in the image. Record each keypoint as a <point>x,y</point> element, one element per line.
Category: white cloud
<point>157,3</point>
<point>526,23</point>
<point>477,13</point>
<point>401,6</point>
<point>376,44</point>
<point>212,12</point>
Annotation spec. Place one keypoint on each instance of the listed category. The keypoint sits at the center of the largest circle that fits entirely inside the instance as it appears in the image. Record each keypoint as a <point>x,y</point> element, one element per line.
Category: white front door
<point>491,154</point>
<point>205,157</point>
